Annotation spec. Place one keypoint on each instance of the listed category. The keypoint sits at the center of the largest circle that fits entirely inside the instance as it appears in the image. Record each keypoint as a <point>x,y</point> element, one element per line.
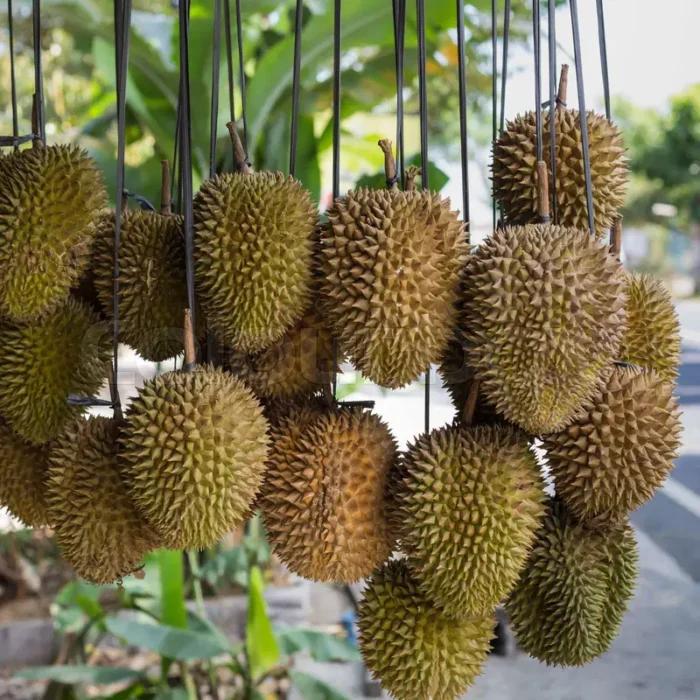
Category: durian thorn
<point>616,237</point>
<point>36,142</point>
<point>389,165</point>
<point>190,353</point>
<point>412,172</point>
<point>470,403</point>
<point>239,155</point>
<point>563,87</point>
<point>165,201</point>
<point>542,192</point>
<point>114,392</point>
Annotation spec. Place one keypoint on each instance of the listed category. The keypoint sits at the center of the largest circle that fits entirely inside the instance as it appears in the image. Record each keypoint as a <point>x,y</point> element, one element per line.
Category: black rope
<point>602,38</point>
<point>424,158</point>
<point>16,141</point>
<point>216,60</point>
<point>13,82</point>
<point>399,15</point>
<point>38,69</point>
<point>504,77</point>
<point>229,61</point>
<point>536,33</point>
<point>462,63</point>
<point>144,203</point>
<point>582,114</point>
<point>494,92</point>
<point>552,30</point>
<point>174,175</point>
<point>296,80</point>
<point>241,74</point>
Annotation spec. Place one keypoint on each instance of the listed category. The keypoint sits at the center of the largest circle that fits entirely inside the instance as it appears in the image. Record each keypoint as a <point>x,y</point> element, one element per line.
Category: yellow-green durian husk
<point>66,352</point>
<point>194,451</point>
<point>515,170</point>
<point>23,469</point>
<point>254,241</point>
<point>544,315</point>
<point>569,602</point>
<point>392,266</point>
<point>413,649</point>
<point>97,527</point>
<point>49,201</point>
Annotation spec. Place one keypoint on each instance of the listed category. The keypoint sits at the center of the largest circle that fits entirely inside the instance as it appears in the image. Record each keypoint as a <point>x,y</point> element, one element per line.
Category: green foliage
<point>262,649</point>
<point>312,688</point>
<point>322,647</point>
<point>172,585</point>
<point>71,675</point>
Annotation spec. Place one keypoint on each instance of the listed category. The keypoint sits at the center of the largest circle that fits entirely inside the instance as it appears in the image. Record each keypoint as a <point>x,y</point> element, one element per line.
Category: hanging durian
<point>470,501</point>
<point>254,239</point>
<point>515,155</point>
<point>324,495</point>
<point>97,527</point>
<point>152,291</point>
<point>570,600</point>
<point>414,650</point>
<point>544,315</point>
<point>49,201</point>
<point>23,469</point>
<point>392,264</point>
<point>611,459</point>
<point>652,338</point>
<point>64,353</point>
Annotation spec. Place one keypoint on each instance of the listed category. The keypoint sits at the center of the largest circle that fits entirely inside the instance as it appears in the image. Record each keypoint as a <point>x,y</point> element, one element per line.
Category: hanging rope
<point>464,146</point>
<point>494,92</point>
<point>582,114</point>
<point>38,69</point>
<point>602,39</point>
<point>13,82</point>
<point>537,37</point>
<point>296,80</point>
<point>216,60</point>
<point>552,30</point>
<point>241,75</point>
<point>399,16</point>
<point>504,77</point>
<point>229,61</point>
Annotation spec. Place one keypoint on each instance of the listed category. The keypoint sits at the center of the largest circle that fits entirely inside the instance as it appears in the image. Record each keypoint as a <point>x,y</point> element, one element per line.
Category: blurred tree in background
<point>78,56</point>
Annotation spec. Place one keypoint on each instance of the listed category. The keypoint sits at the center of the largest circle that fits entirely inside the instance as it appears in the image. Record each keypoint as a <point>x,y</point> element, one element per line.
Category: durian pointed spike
<point>389,164</point>
<point>616,238</point>
<point>563,86</point>
<point>190,353</point>
<point>36,142</point>
<point>165,201</point>
<point>543,192</point>
<point>470,403</point>
<point>412,172</point>
<point>239,156</point>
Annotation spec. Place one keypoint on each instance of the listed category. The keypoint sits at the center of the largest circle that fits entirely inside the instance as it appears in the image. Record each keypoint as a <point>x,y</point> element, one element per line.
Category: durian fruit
<point>49,198</point>
<point>66,352</point>
<point>471,501</point>
<point>194,450</point>
<point>570,600</point>
<point>97,527</point>
<point>652,338</point>
<point>254,241</point>
<point>544,314</point>
<point>392,263</point>
<point>23,469</point>
<point>515,176</point>
<point>414,650</point>
<point>323,501</point>
<point>296,366</point>
<point>152,288</point>
<point>613,456</point>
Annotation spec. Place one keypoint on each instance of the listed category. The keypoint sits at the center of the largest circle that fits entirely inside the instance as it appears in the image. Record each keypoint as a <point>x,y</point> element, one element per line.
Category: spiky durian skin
<point>48,200</point>
<point>254,240</point>
<point>23,469</point>
<point>97,527</point>
<point>471,501</point>
<point>323,501</point>
<point>544,310</point>
<point>652,338</point>
<point>414,650</point>
<point>570,600</point>
<point>515,170</point>
<point>392,264</point>
<point>610,460</point>
<point>152,285</point>
<point>66,352</point>
<point>295,367</point>
<point>195,445</point>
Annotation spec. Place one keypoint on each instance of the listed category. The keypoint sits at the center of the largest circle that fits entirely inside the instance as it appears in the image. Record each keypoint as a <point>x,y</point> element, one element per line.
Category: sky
<point>653,53</point>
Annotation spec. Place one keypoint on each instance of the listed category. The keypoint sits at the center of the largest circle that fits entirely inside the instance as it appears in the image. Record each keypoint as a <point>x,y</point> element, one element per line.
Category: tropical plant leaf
<point>322,647</point>
<point>261,644</point>
<point>312,688</point>
<point>172,577</point>
<point>70,675</point>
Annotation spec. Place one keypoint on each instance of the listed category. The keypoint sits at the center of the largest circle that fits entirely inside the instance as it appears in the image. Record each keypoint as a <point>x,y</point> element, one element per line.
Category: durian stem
<point>36,142</point>
<point>389,165</point>
<point>165,201</point>
<point>616,237</point>
<point>114,393</point>
<point>543,192</point>
<point>190,352</point>
<point>470,403</point>
<point>563,86</point>
<point>412,172</point>
<point>239,156</point>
